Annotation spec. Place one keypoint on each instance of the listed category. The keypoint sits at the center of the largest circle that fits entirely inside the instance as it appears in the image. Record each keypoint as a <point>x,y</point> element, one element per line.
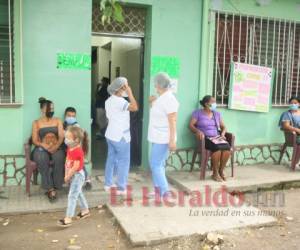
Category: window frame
<point>16,46</point>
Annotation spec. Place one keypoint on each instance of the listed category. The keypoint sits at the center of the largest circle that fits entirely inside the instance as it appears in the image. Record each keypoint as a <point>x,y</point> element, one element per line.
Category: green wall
<point>173,29</point>
<point>50,27</point>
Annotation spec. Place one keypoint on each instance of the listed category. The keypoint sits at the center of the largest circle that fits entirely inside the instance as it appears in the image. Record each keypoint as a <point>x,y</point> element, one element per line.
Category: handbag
<point>219,140</point>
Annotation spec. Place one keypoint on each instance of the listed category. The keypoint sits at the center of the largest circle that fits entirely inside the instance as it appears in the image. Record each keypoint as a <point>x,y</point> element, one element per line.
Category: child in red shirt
<point>77,143</point>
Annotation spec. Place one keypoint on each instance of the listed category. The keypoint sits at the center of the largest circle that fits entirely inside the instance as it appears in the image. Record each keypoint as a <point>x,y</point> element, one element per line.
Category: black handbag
<point>219,141</point>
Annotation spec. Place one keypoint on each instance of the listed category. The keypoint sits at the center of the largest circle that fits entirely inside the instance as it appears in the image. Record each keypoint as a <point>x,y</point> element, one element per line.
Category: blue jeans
<point>118,160</point>
<point>75,193</point>
<point>159,155</point>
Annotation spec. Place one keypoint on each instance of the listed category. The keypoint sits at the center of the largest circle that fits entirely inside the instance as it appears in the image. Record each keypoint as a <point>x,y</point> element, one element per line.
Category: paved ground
<point>101,232</point>
<point>247,178</point>
<point>145,225</point>
<point>18,202</point>
<point>156,224</point>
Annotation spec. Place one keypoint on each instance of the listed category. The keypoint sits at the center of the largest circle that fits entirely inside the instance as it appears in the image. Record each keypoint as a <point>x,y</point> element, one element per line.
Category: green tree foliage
<point>111,10</point>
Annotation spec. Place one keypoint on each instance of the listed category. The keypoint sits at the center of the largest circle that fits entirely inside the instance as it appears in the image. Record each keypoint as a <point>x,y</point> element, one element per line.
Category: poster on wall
<point>168,64</point>
<point>73,61</point>
<point>250,87</point>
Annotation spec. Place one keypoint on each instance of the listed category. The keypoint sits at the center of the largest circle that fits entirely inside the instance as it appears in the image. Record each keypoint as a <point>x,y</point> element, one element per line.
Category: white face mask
<point>124,94</point>
<point>70,143</point>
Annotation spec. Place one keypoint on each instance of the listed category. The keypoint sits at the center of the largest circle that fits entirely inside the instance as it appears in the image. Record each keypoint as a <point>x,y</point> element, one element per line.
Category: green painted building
<point>202,37</point>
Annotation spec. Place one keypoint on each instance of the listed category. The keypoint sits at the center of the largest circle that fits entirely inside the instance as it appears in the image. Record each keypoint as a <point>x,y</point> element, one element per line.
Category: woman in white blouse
<point>118,133</point>
<point>162,131</point>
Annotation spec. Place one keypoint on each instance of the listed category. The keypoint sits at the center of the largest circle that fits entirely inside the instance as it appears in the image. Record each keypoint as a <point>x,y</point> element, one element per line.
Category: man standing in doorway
<point>101,96</point>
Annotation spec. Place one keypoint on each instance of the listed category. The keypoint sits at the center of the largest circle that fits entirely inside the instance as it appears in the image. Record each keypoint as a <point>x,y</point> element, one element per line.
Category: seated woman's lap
<point>209,145</point>
<point>43,160</point>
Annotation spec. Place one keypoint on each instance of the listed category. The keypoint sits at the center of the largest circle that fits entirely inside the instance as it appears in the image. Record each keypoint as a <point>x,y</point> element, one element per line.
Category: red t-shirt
<point>75,155</point>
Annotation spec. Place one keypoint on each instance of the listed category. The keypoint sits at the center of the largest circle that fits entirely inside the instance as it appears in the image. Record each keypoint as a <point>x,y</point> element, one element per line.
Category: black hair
<point>45,103</point>
<point>70,109</point>
<point>105,82</point>
<point>205,100</point>
<point>294,98</point>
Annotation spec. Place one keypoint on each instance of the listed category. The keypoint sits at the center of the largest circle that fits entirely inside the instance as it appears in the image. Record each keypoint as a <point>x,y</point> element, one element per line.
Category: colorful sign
<point>168,64</point>
<point>250,87</point>
<point>73,61</point>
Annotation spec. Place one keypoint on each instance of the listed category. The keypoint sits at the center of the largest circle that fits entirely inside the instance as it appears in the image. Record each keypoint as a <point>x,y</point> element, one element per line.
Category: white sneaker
<point>121,192</point>
<point>107,188</point>
<point>150,195</point>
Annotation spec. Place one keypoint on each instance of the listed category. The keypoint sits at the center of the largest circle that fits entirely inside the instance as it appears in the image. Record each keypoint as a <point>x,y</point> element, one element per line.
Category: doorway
<point>113,57</point>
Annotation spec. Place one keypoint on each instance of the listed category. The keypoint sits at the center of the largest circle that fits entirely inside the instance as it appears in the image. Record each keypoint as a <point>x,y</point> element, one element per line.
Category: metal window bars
<point>7,87</point>
<point>261,41</point>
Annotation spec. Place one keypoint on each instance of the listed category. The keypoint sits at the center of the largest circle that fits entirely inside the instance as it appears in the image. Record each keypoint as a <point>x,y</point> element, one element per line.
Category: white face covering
<point>124,94</point>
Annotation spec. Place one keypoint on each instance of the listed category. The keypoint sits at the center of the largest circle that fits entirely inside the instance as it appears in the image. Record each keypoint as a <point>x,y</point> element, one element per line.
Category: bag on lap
<point>218,140</point>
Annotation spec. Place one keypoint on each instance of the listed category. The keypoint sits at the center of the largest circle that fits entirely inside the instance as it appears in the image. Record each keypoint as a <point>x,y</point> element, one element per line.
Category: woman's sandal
<point>100,206</point>
<point>62,223</point>
<point>51,195</point>
<point>81,216</point>
<point>223,177</point>
<point>217,178</point>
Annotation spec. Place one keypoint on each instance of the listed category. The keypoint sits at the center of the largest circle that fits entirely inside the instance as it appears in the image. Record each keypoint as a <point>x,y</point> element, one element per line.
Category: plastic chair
<point>205,154</point>
<point>30,166</point>
<point>290,141</point>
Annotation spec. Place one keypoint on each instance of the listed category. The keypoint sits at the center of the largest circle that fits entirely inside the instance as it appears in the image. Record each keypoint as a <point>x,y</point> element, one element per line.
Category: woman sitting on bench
<point>48,136</point>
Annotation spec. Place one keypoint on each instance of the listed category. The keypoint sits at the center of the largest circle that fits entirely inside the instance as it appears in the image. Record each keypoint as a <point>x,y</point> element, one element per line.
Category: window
<point>7,86</point>
<point>261,41</point>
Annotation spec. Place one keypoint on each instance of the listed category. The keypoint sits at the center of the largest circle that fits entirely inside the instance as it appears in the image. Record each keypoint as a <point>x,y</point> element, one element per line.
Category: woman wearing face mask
<point>48,136</point>
<point>118,133</point>
<point>162,131</point>
<point>290,120</point>
<point>207,123</point>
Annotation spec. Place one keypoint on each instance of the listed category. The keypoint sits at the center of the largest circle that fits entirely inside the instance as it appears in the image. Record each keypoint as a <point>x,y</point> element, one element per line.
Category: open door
<point>118,56</point>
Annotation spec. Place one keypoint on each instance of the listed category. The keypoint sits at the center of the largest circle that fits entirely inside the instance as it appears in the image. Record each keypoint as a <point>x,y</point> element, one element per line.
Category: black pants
<point>52,177</point>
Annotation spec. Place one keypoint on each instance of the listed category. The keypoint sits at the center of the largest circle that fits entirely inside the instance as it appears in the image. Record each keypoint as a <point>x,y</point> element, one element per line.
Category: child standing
<point>76,141</point>
<point>70,120</point>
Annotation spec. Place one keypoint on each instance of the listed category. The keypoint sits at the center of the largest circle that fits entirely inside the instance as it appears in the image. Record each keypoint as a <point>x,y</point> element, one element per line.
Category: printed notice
<point>250,87</point>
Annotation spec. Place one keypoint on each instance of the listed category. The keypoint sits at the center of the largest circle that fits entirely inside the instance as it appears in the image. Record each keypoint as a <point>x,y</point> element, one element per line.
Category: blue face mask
<point>294,106</point>
<point>213,106</point>
<point>70,120</point>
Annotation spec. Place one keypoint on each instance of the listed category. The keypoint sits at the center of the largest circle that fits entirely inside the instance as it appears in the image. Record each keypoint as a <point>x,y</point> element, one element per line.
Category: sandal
<point>81,216</point>
<point>100,206</point>
<point>223,177</point>
<point>62,223</point>
<point>51,195</point>
<point>217,178</point>
<point>87,186</point>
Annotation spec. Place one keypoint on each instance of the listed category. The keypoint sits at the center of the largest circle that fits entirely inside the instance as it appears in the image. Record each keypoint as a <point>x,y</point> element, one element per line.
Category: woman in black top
<point>48,137</point>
